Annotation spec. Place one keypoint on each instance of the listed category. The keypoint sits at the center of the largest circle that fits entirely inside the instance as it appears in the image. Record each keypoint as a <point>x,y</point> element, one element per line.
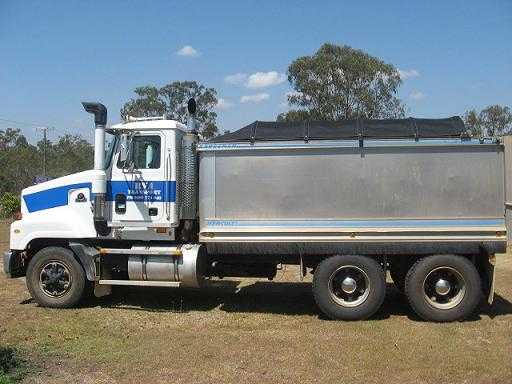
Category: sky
<point>453,55</point>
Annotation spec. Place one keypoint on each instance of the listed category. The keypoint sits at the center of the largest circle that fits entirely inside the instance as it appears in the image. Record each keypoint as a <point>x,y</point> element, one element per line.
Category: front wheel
<point>55,278</point>
<point>349,287</point>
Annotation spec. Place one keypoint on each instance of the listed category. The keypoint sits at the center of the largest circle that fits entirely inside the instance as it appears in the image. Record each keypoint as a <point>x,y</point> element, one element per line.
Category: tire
<point>368,282</point>
<point>55,278</point>
<point>447,302</point>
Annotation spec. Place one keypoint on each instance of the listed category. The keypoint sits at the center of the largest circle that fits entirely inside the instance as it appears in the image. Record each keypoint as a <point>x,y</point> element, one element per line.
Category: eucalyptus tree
<point>340,82</point>
<point>171,100</point>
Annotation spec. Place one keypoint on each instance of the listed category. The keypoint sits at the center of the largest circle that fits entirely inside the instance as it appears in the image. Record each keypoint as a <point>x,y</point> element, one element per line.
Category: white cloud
<point>257,79</point>
<point>223,104</point>
<point>408,74</point>
<point>188,51</point>
<point>257,98</point>
<point>237,78</point>
<point>265,79</point>
<point>417,95</point>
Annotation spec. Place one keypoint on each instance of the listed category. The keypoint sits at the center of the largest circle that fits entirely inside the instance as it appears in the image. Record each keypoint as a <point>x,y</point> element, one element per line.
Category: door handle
<point>120,203</point>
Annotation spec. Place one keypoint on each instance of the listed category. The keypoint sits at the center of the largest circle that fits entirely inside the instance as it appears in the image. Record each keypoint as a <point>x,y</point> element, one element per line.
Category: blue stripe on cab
<point>51,198</point>
<point>139,191</point>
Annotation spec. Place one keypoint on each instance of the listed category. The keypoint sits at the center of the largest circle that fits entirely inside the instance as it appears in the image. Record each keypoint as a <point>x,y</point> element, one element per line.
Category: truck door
<point>140,189</point>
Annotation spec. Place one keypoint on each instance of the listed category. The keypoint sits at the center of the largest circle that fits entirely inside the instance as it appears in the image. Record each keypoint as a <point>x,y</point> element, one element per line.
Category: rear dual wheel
<point>349,287</point>
<point>443,288</point>
<point>439,288</point>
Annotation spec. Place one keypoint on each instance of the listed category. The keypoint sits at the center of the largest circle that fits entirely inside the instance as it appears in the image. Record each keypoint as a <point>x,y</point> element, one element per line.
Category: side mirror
<point>124,148</point>
<point>125,153</point>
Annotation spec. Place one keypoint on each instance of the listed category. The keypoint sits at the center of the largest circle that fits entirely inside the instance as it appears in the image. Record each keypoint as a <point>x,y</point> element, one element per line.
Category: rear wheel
<point>55,278</point>
<point>349,287</point>
<point>443,288</point>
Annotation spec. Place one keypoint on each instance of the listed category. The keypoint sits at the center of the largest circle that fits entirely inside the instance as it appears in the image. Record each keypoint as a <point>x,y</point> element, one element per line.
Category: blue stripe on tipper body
<point>52,197</point>
<point>143,190</point>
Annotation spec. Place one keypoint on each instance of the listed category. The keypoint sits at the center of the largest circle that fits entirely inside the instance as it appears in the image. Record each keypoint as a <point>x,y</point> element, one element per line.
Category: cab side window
<point>145,152</point>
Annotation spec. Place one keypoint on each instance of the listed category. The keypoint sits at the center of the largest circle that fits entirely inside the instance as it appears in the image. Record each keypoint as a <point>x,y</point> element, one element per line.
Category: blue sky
<point>455,55</point>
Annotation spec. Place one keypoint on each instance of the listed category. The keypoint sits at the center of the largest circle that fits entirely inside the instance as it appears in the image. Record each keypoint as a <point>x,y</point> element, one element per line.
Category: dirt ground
<point>251,331</point>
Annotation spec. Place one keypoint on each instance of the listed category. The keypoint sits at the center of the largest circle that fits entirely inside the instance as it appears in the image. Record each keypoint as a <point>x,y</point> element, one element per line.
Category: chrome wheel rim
<point>55,279</point>
<point>349,286</point>
<point>444,288</point>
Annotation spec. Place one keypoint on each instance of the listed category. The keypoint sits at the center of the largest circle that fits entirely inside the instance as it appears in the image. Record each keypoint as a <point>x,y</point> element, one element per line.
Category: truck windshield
<point>110,145</point>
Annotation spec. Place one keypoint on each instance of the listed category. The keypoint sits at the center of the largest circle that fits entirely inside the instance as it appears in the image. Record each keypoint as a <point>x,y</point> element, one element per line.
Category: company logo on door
<point>148,191</point>
<point>144,191</point>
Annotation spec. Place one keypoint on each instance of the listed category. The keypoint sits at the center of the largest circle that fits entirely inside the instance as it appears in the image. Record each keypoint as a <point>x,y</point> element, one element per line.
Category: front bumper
<point>13,264</point>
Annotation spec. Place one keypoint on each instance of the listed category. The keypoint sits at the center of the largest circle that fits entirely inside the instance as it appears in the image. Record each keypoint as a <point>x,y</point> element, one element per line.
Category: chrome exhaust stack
<point>99,182</point>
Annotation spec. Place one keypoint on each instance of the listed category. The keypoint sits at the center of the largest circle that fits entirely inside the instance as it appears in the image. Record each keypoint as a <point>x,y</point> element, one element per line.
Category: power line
<point>20,124</point>
<point>23,125</point>
<point>8,123</point>
<point>23,122</point>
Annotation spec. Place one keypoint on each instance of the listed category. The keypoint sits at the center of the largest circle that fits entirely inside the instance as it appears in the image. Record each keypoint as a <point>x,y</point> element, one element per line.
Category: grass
<point>252,331</point>
<point>12,367</point>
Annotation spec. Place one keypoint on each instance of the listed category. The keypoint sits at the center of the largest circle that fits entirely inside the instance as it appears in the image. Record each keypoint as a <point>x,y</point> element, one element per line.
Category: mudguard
<point>86,254</point>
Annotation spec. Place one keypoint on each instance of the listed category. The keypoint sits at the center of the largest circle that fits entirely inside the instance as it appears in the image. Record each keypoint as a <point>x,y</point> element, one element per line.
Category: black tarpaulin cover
<point>347,129</point>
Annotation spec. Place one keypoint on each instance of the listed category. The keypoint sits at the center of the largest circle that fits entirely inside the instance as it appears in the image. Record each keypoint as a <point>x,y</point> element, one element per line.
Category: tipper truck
<point>346,201</point>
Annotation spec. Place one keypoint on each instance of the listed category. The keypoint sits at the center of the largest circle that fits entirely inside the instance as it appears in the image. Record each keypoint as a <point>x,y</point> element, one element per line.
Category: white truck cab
<point>140,192</point>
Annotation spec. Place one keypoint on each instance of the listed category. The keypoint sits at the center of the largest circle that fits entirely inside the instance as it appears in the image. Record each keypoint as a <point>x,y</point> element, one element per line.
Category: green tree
<point>9,204</point>
<point>19,160</point>
<point>294,115</point>
<point>22,162</point>
<point>70,154</point>
<point>340,82</point>
<point>11,138</point>
<point>171,100</point>
<point>473,122</point>
<point>147,104</point>
<point>495,120</point>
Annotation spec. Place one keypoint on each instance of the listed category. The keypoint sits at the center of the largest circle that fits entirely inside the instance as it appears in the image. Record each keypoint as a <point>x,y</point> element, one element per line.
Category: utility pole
<point>44,130</point>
